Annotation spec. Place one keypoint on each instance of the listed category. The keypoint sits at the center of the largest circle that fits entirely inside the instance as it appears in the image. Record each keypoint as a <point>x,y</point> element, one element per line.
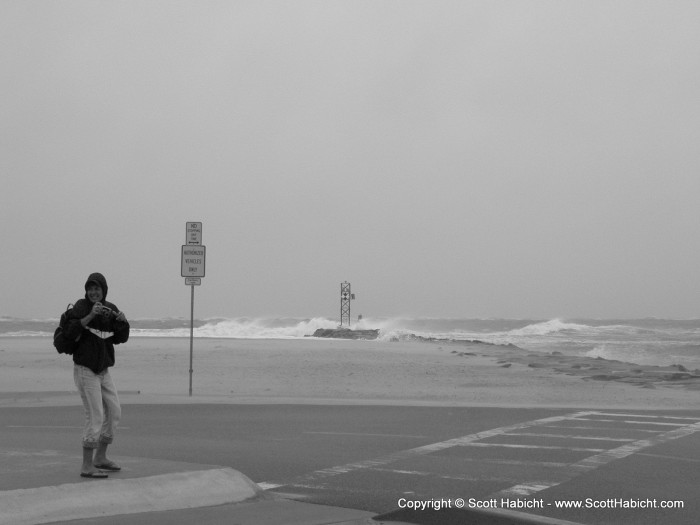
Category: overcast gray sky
<point>448,158</point>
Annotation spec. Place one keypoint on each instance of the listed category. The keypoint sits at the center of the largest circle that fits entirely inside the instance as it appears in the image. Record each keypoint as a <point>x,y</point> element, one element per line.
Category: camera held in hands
<point>105,311</point>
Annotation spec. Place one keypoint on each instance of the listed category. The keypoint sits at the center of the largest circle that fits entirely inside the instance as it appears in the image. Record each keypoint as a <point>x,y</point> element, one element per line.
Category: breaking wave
<point>244,328</point>
<point>548,327</point>
<point>653,341</point>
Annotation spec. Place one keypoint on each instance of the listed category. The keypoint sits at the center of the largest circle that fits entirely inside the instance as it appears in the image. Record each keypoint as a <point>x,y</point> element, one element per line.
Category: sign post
<point>192,265</point>
<point>191,334</point>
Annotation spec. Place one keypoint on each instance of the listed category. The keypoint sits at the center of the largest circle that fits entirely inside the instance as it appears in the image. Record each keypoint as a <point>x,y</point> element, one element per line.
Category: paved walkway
<point>632,455</point>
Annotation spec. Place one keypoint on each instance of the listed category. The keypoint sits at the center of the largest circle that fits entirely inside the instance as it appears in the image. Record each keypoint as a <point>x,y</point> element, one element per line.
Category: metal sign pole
<point>191,334</point>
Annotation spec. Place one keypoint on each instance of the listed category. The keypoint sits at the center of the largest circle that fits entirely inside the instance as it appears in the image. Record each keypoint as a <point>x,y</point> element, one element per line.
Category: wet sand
<point>348,372</point>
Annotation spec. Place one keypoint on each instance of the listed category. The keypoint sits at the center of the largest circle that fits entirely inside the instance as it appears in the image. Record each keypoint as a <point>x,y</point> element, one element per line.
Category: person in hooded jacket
<point>97,325</point>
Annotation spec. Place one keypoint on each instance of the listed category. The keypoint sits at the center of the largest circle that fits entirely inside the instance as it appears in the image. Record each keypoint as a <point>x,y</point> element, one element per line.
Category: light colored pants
<point>102,408</point>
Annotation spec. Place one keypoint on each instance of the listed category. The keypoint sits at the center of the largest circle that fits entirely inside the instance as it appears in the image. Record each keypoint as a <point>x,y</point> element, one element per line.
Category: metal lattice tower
<point>345,298</point>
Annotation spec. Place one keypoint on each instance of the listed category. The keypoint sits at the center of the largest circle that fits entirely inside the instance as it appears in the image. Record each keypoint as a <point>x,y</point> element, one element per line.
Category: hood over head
<point>98,279</point>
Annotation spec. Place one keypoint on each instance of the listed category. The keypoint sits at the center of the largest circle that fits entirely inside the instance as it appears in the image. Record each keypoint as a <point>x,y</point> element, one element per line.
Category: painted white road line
<point>362,434</point>
<point>593,462</point>
<point>632,422</point>
<point>587,427</point>
<point>439,476</point>
<point>544,447</point>
<point>418,451</point>
<point>53,426</point>
<point>269,486</point>
<point>516,462</point>
<point>566,472</point>
<point>565,436</point>
<point>41,426</point>
<point>652,416</point>
<point>666,457</point>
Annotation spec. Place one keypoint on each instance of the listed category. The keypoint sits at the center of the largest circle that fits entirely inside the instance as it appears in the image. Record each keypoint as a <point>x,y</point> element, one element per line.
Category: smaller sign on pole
<point>193,281</point>
<point>193,234</point>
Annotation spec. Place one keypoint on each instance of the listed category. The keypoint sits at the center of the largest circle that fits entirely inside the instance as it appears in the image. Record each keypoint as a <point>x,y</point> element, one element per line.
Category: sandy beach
<point>347,372</point>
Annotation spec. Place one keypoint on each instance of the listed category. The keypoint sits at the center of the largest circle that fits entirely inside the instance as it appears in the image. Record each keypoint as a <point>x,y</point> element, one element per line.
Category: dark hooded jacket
<point>95,348</point>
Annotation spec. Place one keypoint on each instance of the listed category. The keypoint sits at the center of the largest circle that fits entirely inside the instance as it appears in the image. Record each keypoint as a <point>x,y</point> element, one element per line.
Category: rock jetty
<point>346,333</point>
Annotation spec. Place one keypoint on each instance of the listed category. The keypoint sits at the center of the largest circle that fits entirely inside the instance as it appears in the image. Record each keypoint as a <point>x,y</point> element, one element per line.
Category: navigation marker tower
<point>345,297</point>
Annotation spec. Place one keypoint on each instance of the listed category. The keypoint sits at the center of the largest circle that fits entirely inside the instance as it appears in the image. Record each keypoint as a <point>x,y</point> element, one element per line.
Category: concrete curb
<point>95,498</point>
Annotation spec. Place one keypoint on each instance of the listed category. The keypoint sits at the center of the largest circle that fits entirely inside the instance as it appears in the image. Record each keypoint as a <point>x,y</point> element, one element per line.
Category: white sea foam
<point>599,351</point>
<point>628,354</point>
<point>643,341</point>
<point>246,328</point>
<point>548,327</point>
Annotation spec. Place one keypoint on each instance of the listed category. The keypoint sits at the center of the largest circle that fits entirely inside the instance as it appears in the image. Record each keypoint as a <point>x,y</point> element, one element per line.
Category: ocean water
<point>643,341</point>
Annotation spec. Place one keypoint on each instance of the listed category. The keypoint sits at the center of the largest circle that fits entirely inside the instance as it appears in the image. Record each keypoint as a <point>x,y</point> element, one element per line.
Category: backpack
<point>62,343</point>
